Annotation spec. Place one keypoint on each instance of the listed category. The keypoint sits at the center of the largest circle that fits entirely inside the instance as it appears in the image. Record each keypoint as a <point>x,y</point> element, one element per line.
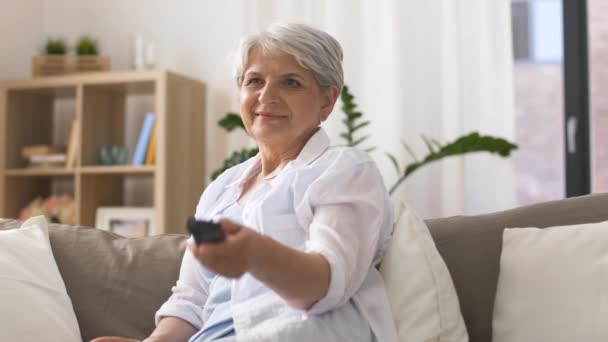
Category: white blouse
<point>329,200</point>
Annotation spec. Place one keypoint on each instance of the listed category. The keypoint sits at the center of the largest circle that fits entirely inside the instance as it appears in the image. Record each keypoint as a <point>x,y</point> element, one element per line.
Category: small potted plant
<point>86,46</point>
<point>87,58</point>
<point>55,46</point>
<point>53,62</point>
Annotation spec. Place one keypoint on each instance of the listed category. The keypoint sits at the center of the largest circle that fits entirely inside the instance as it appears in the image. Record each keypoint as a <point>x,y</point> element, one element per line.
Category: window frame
<point>576,98</point>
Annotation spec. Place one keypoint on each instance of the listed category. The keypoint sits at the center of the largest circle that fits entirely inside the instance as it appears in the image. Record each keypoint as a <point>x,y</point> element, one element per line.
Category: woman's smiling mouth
<point>269,116</point>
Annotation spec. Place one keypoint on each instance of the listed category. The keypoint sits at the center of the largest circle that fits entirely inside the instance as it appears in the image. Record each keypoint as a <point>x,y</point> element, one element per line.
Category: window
<point>561,107</point>
<point>539,102</point>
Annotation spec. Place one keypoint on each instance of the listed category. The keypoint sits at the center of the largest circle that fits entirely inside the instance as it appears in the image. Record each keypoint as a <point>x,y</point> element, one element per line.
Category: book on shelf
<point>31,150</point>
<point>141,149</point>
<point>72,150</point>
<point>151,155</point>
<point>47,160</point>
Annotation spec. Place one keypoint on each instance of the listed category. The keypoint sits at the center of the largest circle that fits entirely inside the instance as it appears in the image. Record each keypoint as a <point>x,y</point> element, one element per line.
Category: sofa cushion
<point>35,305</point>
<point>419,287</point>
<point>471,247</point>
<point>116,284</point>
<point>553,284</point>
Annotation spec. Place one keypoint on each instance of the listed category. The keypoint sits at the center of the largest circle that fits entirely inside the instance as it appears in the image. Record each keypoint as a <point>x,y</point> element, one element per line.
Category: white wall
<point>21,24</point>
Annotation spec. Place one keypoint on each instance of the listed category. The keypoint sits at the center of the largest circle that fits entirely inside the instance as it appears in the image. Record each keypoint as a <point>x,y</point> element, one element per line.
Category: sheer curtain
<point>439,68</point>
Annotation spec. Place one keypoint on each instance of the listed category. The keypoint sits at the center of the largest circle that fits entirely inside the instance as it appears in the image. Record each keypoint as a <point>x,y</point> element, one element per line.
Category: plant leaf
<point>436,143</point>
<point>358,141</point>
<point>363,124</point>
<point>231,121</point>
<point>427,143</point>
<point>354,116</point>
<point>394,161</point>
<point>469,143</point>
<point>409,150</point>
<point>345,136</point>
<point>235,158</point>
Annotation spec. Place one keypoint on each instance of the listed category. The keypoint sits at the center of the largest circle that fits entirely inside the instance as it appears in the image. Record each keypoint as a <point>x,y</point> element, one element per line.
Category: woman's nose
<point>269,94</point>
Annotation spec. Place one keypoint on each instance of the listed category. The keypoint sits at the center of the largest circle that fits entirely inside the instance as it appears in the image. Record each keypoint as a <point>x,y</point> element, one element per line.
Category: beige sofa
<point>116,284</point>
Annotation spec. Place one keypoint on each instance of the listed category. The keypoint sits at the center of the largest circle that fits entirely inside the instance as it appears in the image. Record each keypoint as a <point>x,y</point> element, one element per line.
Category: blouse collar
<point>314,147</point>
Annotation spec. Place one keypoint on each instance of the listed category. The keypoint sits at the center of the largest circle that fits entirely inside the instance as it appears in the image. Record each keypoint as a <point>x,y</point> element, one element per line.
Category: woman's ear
<point>330,95</point>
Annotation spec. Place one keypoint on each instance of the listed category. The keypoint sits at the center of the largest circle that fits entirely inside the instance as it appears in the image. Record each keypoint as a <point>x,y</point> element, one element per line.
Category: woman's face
<point>281,102</point>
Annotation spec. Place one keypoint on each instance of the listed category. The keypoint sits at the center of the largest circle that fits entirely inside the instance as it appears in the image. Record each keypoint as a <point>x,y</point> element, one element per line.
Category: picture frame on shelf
<point>131,222</point>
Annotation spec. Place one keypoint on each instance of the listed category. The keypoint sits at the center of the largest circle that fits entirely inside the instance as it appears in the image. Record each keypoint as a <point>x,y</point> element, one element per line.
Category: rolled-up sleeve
<point>349,212</point>
<point>188,295</point>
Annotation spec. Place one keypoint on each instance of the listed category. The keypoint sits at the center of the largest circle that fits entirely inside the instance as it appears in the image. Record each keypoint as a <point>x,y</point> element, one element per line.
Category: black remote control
<point>205,231</point>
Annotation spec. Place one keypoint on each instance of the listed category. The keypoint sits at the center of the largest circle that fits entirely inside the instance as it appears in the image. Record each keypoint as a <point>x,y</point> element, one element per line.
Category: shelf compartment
<point>113,190</point>
<point>103,121</point>
<point>20,191</point>
<point>32,117</point>
<point>112,116</point>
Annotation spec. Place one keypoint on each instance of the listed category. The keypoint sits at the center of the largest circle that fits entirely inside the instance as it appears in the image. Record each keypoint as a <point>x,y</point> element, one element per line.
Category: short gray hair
<point>314,49</point>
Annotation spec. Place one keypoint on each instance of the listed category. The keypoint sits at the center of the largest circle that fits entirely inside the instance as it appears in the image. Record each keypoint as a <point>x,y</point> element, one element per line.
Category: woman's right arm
<point>169,329</point>
<point>180,317</point>
<point>184,310</point>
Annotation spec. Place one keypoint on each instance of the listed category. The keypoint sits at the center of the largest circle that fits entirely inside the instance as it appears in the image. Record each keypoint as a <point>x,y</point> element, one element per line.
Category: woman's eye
<point>253,81</point>
<point>290,82</point>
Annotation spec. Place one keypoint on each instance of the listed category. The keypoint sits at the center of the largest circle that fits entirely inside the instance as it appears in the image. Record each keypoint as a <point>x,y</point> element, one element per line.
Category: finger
<point>198,251</point>
<point>230,227</point>
<point>204,250</point>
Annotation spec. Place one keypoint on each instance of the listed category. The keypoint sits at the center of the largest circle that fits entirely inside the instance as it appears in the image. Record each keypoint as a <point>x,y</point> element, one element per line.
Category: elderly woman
<point>305,224</point>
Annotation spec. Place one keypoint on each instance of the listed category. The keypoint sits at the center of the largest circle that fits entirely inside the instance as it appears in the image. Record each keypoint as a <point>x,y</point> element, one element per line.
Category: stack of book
<point>54,156</point>
<point>44,155</point>
<point>145,151</point>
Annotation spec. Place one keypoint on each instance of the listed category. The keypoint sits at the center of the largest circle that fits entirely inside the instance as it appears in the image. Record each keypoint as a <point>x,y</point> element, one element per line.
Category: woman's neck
<point>273,160</point>
<point>275,156</point>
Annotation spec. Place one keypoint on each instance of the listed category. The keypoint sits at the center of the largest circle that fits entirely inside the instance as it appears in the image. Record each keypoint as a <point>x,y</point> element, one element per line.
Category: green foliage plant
<point>473,142</point>
<point>354,122</point>
<point>55,46</point>
<point>86,46</point>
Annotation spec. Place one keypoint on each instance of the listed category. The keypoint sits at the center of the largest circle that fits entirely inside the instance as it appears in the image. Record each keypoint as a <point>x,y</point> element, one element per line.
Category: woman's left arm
<point>300,278</point>
<point>349,213</point>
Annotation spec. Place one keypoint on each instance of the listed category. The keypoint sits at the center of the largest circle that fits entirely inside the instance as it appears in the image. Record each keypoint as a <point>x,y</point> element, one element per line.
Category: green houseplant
<point>87,56</point>
<point>55,46</point>
<point>86,46</point>
<point>52,60</point>
<point>354,123</point>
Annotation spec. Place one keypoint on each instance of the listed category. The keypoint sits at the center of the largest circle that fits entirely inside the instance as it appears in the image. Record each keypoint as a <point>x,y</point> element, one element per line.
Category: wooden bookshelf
<point>27,117</point>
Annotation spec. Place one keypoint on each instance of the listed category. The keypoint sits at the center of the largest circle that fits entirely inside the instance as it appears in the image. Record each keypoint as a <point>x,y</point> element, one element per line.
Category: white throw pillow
<point>34,304</point>
<point>419,286</point>
<point>553,285</point>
